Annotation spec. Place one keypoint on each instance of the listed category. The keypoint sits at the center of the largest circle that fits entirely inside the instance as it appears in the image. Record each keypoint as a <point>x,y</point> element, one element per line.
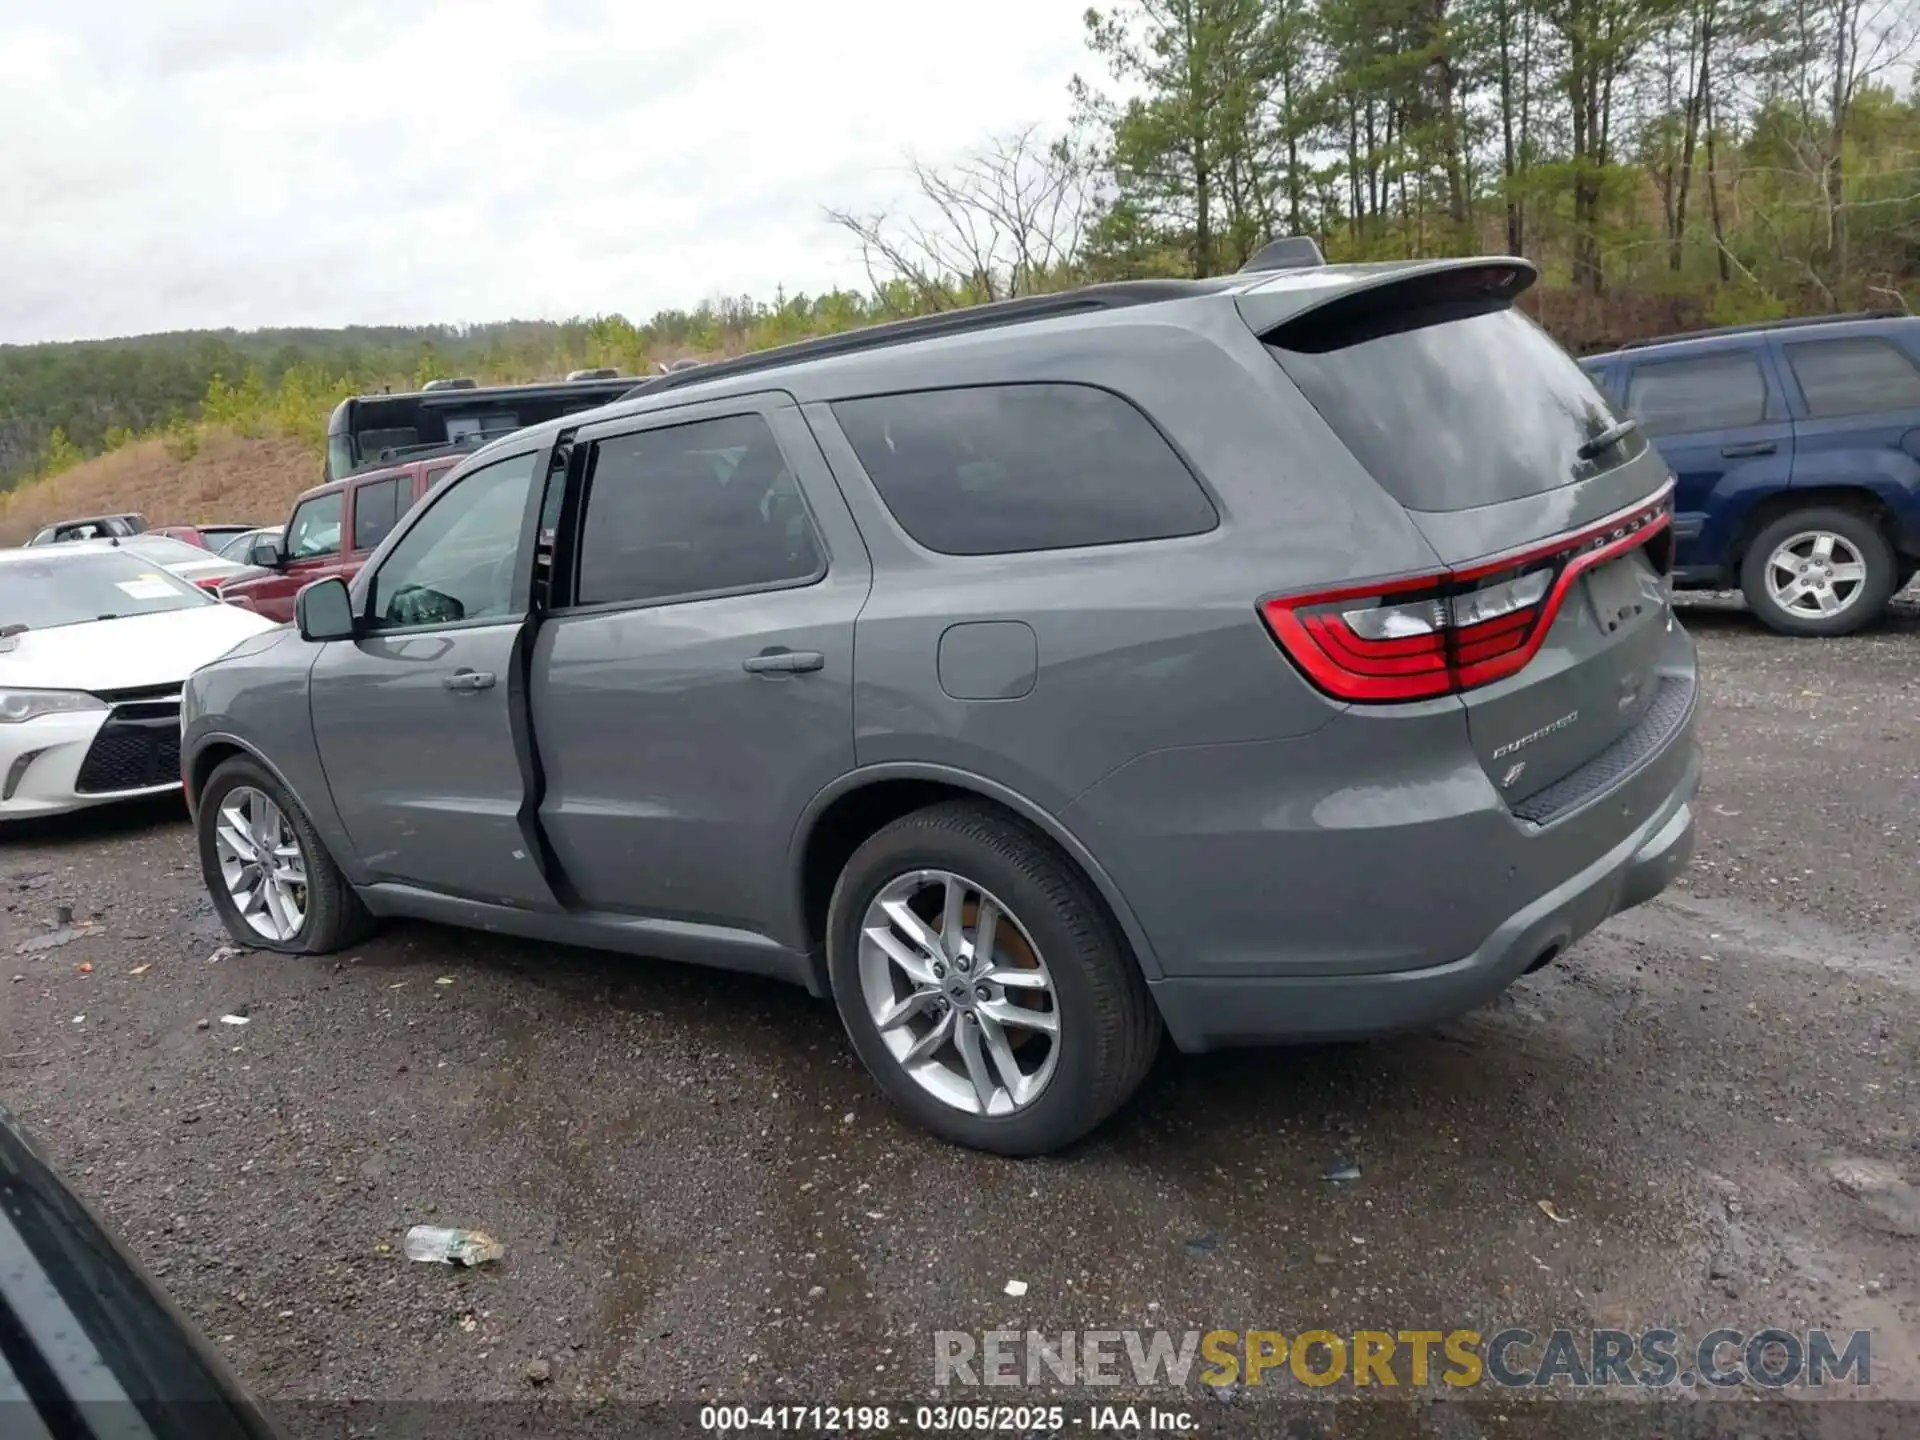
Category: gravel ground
<point>702,1196</point>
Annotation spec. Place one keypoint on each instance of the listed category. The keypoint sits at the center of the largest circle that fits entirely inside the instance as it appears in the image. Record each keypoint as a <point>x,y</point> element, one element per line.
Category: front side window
<point>1002,469</point>
<point>315,528</point>
<point>375,508</point>
<point>1853,377</point>
<point>692,509</point>
<point>457,563</point>
<point>1715,392</point>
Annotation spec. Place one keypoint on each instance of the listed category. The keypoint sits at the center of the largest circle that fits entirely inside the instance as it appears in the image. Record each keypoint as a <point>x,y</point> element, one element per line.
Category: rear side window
<point>375,508</point>
<point>1853,377</point>
<point>692,509</point>
<point>1450,407</point>
<point>1715,392</point>
<point>1000,469</point>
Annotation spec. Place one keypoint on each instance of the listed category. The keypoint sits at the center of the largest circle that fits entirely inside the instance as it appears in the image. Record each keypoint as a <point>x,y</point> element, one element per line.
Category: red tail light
<point>212,587</point>
<point>1439,634</point>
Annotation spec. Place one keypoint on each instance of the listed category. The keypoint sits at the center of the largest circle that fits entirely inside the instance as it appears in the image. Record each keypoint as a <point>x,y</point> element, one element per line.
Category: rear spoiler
<point>1302,300</point>
<point>1290,252</point>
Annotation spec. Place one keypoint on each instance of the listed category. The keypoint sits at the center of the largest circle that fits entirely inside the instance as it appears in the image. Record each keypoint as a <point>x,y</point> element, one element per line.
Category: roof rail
<point>1290,252</point>
<point>990,316</point>
<point>1758,326</point>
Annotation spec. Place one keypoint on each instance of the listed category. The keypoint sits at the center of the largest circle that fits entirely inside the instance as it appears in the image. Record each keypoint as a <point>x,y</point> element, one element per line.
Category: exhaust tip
<point>1546,957</point>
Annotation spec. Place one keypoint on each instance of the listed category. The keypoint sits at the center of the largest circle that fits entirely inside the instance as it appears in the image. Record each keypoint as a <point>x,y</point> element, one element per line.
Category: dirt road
<point>702,1196</point>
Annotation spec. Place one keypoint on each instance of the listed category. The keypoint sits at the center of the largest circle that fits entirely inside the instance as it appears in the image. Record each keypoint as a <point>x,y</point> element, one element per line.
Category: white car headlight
<point>19,705</point>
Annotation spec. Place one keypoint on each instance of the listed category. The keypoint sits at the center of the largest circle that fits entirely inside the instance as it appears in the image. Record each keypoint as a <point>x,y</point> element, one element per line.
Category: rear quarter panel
<point>1139,645</point>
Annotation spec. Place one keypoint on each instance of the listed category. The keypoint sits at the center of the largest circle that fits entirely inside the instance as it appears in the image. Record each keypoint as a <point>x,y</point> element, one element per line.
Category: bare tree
<point>1846,45</point>
<point>1004,220</point>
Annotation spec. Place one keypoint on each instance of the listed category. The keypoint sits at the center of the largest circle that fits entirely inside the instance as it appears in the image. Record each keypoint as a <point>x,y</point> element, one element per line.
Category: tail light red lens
<point>1439,634</point>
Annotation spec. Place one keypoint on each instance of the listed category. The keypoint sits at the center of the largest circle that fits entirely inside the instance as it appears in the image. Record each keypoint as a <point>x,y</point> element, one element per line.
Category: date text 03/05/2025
<point>965,1419</point>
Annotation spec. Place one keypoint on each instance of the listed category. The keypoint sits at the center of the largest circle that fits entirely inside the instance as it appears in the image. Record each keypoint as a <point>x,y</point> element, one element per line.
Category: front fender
<point>255,701</point>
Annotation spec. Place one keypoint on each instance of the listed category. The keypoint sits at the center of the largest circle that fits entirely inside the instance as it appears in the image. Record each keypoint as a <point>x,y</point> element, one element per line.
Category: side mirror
<point>324,610</point>
<point>266,553</point>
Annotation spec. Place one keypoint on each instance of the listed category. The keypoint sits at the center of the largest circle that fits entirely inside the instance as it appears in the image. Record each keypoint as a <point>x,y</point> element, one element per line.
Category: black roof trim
<point>1760,327</point>
<point>500,392</point>
<point>945,322</point>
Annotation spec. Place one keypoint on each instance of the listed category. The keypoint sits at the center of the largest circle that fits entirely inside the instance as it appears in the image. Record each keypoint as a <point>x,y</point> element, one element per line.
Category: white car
<point>204,568</point>
<point>95,643</point>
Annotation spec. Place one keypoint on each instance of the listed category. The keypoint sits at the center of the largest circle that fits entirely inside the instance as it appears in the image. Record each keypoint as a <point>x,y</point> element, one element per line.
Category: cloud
<point>269,162</point>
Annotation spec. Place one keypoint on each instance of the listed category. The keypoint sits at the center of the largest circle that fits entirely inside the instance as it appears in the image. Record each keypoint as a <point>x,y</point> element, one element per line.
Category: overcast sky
<point>173,164</point>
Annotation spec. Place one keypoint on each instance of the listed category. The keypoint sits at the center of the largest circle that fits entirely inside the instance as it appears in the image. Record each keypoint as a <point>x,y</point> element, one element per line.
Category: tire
<point>1803,531</point>
<point>1106,1028</point>
<point>331,914</point>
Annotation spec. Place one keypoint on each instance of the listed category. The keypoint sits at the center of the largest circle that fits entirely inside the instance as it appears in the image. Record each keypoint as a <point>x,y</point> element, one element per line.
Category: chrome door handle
<point>467,681</point>
<point>784,662</point>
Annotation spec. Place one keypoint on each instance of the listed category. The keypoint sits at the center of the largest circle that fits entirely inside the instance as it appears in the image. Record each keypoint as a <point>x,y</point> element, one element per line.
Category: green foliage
<point>60,454</point>
<point>103,394</point>
<point>182,438</point>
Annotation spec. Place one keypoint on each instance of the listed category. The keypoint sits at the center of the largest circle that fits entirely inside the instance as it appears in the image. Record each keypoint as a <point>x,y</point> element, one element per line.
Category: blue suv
<point>1796,447</point>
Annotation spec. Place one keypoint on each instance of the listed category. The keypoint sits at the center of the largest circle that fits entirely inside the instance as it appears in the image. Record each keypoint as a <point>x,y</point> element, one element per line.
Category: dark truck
<point>1795,447</point>
<point>453,417</point>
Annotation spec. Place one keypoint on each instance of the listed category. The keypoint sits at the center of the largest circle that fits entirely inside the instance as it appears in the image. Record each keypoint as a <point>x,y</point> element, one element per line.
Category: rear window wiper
<point>7,632</point>
<point>1612,435</point>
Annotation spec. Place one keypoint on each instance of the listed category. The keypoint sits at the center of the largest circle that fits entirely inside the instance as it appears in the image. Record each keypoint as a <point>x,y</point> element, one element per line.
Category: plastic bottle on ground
<point>452,1247</point>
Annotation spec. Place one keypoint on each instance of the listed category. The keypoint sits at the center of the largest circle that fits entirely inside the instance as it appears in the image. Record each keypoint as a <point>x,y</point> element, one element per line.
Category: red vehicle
<point>333,529</point>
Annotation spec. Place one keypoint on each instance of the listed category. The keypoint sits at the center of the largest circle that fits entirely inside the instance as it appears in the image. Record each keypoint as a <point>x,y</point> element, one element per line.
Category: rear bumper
<point>1207,1014</point>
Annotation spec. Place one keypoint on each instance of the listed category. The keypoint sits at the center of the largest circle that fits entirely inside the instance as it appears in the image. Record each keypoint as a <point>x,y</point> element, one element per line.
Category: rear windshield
<point>1450,409</point>
<point>69,588</point>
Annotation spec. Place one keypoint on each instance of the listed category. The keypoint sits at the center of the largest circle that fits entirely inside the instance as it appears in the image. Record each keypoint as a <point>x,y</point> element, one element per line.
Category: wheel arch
<point>207,757</point>
<point>1861,499</point>
<point>840,818</point>
<point>211,751</point>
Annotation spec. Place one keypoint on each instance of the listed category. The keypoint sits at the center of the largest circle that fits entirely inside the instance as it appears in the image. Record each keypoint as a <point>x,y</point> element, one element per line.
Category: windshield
<point>1449,411</point>
<point>72,589</point>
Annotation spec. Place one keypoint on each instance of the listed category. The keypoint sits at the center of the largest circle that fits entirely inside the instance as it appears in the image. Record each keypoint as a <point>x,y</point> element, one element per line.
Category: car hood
<point>137,651</point>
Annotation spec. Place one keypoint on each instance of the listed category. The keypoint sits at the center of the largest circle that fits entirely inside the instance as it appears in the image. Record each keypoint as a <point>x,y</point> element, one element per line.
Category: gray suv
<point>1271,657</point>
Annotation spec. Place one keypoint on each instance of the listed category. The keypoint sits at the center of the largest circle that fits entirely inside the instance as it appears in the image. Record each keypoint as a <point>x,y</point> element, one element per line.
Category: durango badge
<point>1512,745</point>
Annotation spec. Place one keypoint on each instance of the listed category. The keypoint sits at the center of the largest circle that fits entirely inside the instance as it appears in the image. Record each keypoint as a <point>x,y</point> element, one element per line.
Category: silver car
<point>1279,656</point>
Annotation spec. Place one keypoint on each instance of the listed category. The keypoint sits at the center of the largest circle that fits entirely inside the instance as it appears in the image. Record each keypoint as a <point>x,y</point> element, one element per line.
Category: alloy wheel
<point>261,863</point>
<point>1815,574</point>
<point>959,993</point>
